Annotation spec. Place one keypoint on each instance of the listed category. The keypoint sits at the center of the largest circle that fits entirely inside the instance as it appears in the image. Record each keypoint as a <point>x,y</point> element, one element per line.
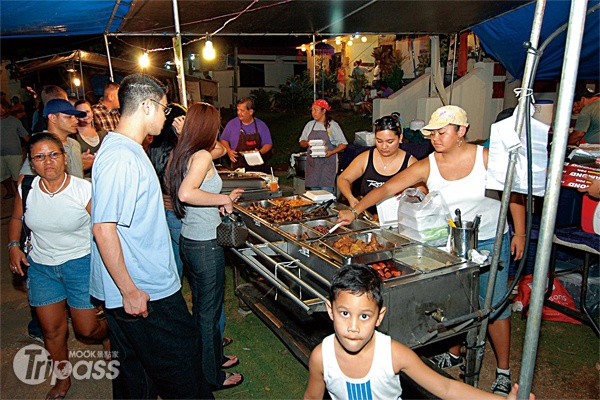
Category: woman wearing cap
<point>457,169</point>
<point>58,213</point>
<point>321,163</point>
<point>378,165</point>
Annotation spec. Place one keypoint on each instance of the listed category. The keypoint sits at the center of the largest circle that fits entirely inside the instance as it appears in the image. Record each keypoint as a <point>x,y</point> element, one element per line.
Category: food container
<point>395,238</point>
<point>425,258</point>
<point>298,232</point>
<point>391,269</point>
<point>364,258</point>
<point>253,158</point>
<point>324,224</point>
<point>294,201</point>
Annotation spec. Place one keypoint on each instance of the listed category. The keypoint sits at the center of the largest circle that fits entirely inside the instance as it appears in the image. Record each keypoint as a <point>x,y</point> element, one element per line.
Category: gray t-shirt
<point>74,160</point>
<point>588,121</point>
<point>11,129</point>
<point>200,222</point>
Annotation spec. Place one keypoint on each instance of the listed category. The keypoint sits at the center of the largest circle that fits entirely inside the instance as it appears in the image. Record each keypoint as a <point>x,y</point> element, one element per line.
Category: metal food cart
<point>432,296</point>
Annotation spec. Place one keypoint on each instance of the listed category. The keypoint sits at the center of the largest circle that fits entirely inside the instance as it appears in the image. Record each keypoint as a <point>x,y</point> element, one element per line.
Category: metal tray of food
<point>298,231</point>
<point>397,239</point>
<point>261,203</point>
<point>359,225</point>
<point>340,254</point>
<point>391,269</point>
<point>425,258</point>
<point>294,201</point>
<point>323,226</point>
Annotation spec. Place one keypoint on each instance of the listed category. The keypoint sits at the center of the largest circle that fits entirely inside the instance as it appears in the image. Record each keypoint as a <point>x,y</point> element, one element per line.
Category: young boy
<point>359,362</point>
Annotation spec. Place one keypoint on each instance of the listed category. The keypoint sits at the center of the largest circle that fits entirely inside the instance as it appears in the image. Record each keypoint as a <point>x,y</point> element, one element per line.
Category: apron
<point>320,171</point>
<point>247,142</point>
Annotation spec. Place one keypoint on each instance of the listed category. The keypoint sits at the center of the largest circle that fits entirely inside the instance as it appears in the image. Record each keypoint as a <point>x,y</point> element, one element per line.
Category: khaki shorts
<point>10,167</point>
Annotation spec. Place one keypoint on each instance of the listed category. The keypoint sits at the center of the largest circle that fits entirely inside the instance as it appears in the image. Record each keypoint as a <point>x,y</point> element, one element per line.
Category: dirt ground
<point>567,366</point>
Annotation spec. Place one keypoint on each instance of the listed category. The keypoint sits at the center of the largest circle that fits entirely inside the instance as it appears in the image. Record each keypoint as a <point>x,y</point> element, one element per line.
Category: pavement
<point>15,315</point>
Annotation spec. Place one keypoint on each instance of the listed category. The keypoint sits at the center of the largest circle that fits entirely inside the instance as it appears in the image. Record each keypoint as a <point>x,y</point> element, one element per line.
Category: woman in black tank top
<point>375,167</point>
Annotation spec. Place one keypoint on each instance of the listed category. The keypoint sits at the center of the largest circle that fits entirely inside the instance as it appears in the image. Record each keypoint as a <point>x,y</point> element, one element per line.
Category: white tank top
<point>380,383</point>
<point>468,194</point>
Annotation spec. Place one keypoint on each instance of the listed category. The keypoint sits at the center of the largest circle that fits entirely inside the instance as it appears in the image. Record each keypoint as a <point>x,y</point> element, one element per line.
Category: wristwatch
<point>13,244</point>
<point>355,212</point>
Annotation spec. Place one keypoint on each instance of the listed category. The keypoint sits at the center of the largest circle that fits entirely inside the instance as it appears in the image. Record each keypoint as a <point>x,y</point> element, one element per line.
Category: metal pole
<point>314,52</point>
<point>557,154</point>
<point>178,53</point>
<point>81,74</point>
<point>112,77</point>
<point>236,74</point>
<point>510,175</point>
<point>453,65</point>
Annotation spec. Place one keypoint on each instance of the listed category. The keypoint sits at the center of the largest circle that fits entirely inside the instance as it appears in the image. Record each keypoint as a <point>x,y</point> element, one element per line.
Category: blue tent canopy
<point>23,19</point>
<point>503,38</point>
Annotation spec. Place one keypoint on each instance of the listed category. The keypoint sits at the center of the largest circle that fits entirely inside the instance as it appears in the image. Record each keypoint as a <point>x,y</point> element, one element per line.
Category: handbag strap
<point>25,188</point>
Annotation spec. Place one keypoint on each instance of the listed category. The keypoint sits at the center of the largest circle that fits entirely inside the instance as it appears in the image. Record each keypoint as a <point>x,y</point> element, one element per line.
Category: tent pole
<point>81,74</point>
<point>557,154</point>
<point>510,175</point>
<point>112,77</point>
<point>453,65</point>
<point>314,52</point>
<point>178,54</point>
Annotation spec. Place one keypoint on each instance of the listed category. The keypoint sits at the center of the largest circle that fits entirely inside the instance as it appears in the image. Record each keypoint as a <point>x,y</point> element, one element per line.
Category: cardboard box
<point>578,176</point>
<point>364,138</point>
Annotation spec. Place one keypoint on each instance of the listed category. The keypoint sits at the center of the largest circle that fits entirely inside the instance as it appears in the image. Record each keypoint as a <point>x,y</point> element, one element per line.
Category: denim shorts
<point>49,284</point>
<point>501,284</point>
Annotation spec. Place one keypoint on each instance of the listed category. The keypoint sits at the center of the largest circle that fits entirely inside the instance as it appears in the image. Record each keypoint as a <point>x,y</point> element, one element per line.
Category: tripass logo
<point>32,365</point>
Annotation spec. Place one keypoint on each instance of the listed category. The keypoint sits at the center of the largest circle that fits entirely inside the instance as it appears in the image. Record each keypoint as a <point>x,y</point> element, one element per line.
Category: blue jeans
<point>501,283</point>
<point>174,224</point>
<point>158,355</point>
<point>205,261</point>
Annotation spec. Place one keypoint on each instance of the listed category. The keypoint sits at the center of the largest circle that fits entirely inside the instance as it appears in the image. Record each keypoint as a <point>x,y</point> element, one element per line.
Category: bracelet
<point>13,244</point>
<point>519,235</point>
<point>355,212</point>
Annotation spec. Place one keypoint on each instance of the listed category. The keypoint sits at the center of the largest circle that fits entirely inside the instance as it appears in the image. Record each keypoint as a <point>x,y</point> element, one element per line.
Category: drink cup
<point>273,183</point>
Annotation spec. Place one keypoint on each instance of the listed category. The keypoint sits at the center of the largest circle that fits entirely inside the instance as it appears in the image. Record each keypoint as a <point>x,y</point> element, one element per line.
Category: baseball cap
<point>444,116</point>
<point>323,104</point>
<point>62,106</point>
<point>585,92</point>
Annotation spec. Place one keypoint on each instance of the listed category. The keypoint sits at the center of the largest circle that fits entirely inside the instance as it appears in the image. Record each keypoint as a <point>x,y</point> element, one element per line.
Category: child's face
<point>354,319</point>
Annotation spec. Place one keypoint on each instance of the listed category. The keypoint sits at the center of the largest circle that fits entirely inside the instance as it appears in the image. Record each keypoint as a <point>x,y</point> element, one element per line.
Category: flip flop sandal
<point>232,385</point>
<point>227,341</point>
<point>231,361</point>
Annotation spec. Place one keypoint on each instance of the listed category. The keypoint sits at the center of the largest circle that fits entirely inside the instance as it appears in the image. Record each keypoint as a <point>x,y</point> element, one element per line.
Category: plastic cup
<point>273,183</point>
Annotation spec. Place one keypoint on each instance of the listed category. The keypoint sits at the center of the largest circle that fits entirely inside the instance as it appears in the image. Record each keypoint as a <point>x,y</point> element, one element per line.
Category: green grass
<point>270,370</point>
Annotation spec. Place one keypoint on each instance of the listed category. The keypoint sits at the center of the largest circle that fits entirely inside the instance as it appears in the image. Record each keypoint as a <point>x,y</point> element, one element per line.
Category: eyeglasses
<point>166,109</point>
<point>41,157</point>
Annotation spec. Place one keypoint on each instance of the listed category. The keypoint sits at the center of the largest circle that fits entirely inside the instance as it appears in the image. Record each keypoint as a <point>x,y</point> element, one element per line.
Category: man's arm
<point>575,137</point>
<point>135,300</point>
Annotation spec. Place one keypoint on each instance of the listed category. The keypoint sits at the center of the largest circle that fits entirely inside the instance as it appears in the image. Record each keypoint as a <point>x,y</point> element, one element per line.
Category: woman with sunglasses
<point>58,214</point>
<point>376,166</point>
<point>322,162</point>
<point>195,187</point>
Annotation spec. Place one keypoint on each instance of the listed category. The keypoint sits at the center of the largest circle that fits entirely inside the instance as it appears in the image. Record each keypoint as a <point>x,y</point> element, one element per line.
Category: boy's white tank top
<point>380,383</point>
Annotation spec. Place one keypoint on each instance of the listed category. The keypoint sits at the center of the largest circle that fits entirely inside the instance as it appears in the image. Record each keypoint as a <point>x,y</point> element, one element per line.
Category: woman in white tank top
<point>457,169</point>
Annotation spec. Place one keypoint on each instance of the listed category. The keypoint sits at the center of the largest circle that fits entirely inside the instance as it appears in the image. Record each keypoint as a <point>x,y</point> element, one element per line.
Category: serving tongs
<point>329,232</point>
<point>321,206</point>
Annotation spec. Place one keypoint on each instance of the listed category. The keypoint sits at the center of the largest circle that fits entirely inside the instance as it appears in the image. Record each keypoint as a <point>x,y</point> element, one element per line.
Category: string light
<point>350,43</point>
<point>338,40</point>
<point>144,60</point>
<point>209,51</point>
<point>303,48</point>
<point>363,39</point>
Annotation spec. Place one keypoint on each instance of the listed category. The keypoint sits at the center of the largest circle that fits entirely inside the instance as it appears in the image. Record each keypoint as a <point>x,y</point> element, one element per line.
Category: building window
<point>252,75</point>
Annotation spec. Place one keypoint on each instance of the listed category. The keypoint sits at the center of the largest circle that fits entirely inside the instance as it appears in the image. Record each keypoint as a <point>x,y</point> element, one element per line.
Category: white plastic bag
<point>423,218</point>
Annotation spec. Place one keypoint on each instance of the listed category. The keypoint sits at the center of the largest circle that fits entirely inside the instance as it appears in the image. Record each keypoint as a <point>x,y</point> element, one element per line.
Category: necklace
<point>51,194</point>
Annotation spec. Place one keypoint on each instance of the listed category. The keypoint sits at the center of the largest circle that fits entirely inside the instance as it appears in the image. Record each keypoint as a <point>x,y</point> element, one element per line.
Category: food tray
<point>359,225</point>
<point>425,258</point>
<point>395,238</point>
<point>298,231</point>
<point>365,258</point>
<point>292,198</point>
<point>402,269</point>
<point>262,203</point>
<point>327,223</point>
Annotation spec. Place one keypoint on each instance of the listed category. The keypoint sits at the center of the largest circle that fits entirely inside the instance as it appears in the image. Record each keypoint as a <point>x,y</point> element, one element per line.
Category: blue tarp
<point>22,19</point>
<point>503,38</point>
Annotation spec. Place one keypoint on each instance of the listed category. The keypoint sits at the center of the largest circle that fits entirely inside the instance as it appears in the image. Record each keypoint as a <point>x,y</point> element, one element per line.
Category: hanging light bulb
<point>350,43</point>
<point>209,50</point>
<point>144,60</point>
<point>76,82</point>
<point>363,39</point>
<point>338,40</point>
<point>71,67</point>
<point>311,47</point>
<point>303,48</point>
<point>192,56</point>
